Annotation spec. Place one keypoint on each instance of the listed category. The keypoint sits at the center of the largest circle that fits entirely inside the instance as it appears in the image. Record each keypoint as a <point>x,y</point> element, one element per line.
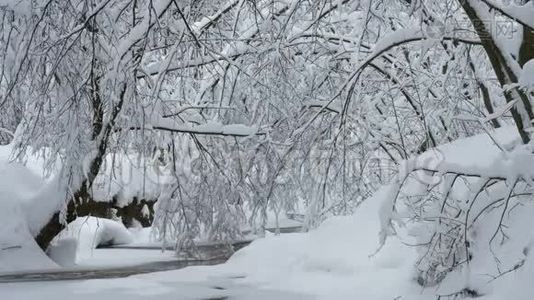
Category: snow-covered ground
<point>106,258</point>
<point>334,262</point>
<point>144,287</point>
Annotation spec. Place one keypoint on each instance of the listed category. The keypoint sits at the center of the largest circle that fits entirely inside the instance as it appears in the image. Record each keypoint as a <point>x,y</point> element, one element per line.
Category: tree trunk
<point>134,212</point>
<point>85,205</point>
<point>503,72</point>
<point>82,204</point>
<point>526,52</point>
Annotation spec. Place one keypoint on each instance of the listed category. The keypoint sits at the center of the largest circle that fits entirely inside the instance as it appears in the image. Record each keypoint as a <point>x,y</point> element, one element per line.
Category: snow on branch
<point>210,128</point>
<point>154,68</point>
<point>138,32</point>
<point>388,42</point>
<point>501,111</point>
<point>207,21</point>
<point>401,37</point>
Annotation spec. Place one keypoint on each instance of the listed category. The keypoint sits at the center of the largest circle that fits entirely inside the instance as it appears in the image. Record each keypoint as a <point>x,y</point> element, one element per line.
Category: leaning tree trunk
<point>81,203</point>
<point>84,205</point>
<point>505,75</point>
<point>526,52</point>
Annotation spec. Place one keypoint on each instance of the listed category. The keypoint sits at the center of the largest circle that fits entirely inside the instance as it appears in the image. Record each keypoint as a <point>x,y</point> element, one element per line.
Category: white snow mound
<point>85,234</point>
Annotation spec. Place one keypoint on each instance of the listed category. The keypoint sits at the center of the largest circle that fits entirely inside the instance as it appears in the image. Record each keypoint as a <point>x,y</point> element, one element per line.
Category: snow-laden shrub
<point>470,214</point>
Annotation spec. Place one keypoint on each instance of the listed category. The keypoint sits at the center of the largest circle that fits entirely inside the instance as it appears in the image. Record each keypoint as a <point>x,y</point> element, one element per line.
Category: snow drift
<point>18,250</point>
<point>80,237</point>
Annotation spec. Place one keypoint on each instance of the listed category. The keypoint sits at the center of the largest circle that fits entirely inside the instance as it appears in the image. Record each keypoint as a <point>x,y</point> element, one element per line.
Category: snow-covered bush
<point>469,214</point>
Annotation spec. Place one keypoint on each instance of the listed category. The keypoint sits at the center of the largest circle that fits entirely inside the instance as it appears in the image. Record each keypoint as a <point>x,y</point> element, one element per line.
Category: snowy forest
<point>266,149</point>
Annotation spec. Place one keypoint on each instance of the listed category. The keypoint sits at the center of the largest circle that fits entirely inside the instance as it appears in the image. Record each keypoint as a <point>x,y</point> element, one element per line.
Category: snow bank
<point>77,241</point>
<point>480,150</point>
<point>335,261</point>
<point>63,252</point>
<point>338,260</point>
<point>18,250</point>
